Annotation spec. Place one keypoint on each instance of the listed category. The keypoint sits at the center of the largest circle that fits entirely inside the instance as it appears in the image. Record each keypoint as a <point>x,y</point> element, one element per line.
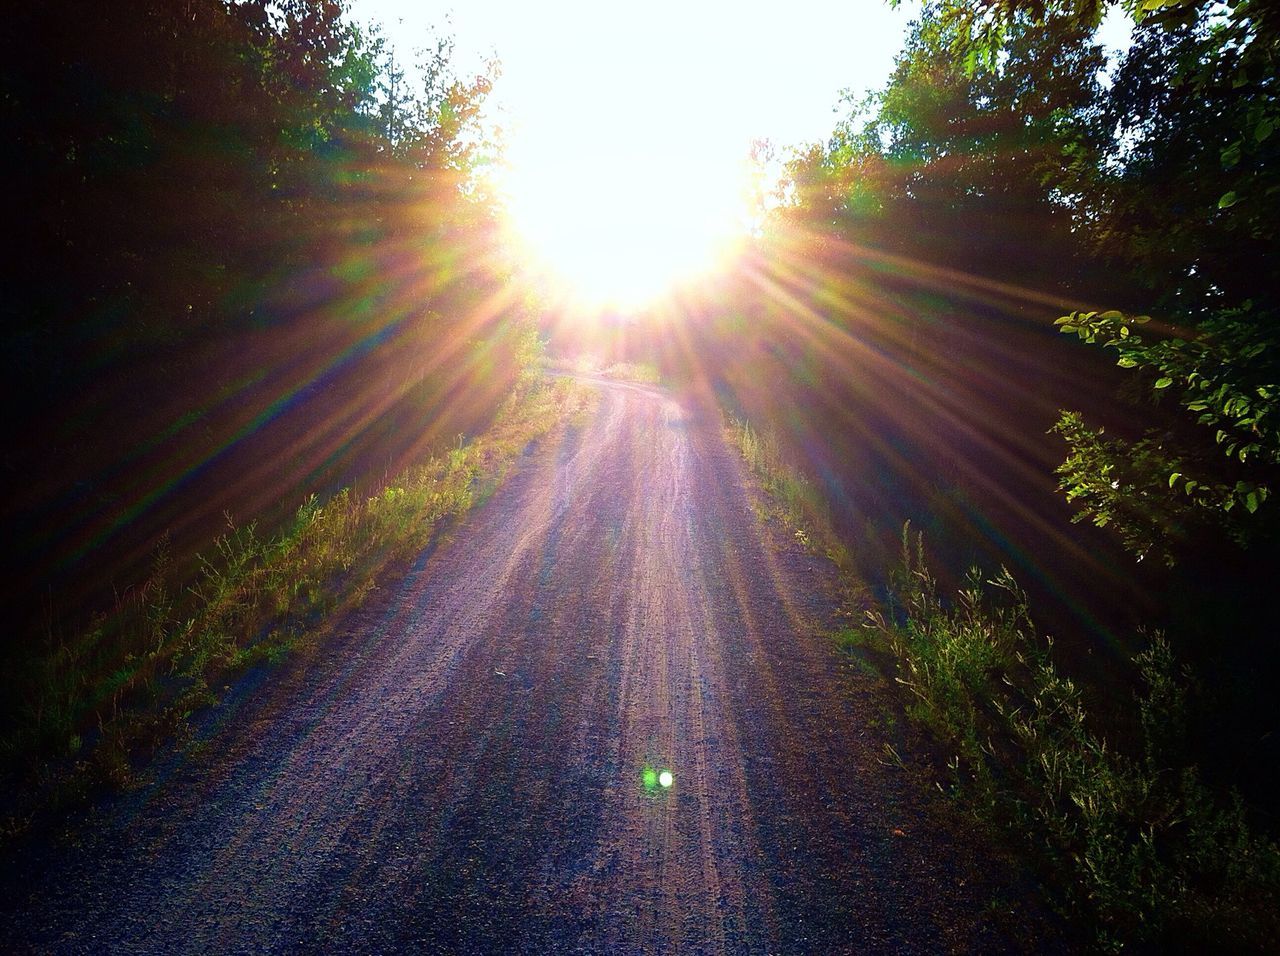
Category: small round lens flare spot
<point>649,777</point>
<point>666,779</point>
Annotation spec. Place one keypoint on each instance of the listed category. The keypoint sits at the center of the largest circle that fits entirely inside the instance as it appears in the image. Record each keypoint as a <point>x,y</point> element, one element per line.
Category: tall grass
<point>97,701</point>
<point>1140,845</point>
<point>799,502</point>
<point>1134,843</point>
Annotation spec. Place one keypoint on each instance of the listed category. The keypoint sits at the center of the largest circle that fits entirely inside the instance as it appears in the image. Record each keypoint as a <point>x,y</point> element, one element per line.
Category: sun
<point>617,225</point>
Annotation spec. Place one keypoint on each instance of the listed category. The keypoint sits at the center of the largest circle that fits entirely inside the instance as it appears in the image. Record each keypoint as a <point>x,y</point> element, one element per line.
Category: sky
<point>626,127</point>
<point>693,71</point>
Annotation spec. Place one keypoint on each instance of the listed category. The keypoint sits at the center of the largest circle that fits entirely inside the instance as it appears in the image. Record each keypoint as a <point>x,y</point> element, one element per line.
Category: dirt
<point>461,768</point>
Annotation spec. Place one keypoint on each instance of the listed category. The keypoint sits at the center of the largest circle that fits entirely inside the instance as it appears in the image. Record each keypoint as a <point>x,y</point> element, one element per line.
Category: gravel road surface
<point>462,767</point>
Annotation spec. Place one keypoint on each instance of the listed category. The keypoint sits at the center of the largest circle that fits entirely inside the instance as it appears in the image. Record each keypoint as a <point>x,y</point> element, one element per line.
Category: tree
<point>215,228</point>
<point>959,167</point>
<point>1185,200</point>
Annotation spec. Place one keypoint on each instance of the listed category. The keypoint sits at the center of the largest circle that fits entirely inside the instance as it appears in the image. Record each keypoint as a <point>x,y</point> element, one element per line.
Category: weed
<point>641,372</point>
<point>799,502</point>
<point>1140,845</point>
<point>97,702</point>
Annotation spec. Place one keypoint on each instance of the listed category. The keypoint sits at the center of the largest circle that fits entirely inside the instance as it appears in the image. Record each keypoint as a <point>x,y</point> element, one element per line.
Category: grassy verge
<point>97,703</point>
<point>642,373</point>
<point>798,502</point>
<point>1135,844</point>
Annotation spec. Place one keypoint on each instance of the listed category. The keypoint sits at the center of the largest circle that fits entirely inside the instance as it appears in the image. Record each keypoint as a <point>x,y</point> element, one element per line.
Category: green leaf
<point>1140,319</point>
<point>1164,382</point>
<point>1264,129</point>
<point>1125,362</point>
<point>1174,477</point>
<point>1251,501</point>
<point>1228,200</point>
<point>1112,314</point>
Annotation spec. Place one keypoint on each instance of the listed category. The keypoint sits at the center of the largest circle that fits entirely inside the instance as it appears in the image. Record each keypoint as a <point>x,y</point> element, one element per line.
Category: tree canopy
<point>1153,195</point>
<point>240,229</point>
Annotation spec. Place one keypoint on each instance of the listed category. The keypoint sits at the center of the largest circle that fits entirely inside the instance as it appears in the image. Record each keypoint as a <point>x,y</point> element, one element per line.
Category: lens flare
<point>620,227</point>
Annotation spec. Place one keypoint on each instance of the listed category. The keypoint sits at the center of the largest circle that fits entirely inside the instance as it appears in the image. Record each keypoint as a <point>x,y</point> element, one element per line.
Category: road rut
<point>462,767</point>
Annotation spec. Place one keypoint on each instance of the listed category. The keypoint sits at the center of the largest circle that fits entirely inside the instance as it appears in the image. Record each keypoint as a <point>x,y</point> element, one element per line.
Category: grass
<point>97,703</point>
<point>1141,847</point>
<point>797,501</point>
<point>1136,846</point>
<point>643,373</point>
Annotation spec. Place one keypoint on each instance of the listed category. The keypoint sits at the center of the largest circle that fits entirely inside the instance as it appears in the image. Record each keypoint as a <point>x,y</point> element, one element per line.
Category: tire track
<point>462,769</point>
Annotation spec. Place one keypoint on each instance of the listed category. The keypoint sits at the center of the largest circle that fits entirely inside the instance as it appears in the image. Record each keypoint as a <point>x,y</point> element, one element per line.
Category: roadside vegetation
<point>98,702</point>
<point>799,502</point>
<point>260,261</point>
<point>1027,261</point>
<point>1134,843</point>
<point>645,373</point>
<point>262,278</point>
<point>1140,845</point>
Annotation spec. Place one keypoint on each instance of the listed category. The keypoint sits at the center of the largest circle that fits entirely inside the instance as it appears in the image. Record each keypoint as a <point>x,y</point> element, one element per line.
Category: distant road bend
<point>463,767</point>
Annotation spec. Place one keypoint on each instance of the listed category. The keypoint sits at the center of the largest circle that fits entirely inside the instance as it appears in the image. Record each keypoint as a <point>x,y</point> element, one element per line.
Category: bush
<point>1139,844</point>
<point>93,704</point>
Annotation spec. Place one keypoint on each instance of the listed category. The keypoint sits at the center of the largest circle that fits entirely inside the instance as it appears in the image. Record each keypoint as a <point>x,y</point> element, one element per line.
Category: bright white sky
<point>627,126</point>
<point>698,71</point>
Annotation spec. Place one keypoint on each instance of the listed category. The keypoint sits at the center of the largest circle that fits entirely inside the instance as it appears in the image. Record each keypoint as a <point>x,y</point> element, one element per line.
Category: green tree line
<point>1020,285</point>
<point>248,259</point>
<point>1150,198</point>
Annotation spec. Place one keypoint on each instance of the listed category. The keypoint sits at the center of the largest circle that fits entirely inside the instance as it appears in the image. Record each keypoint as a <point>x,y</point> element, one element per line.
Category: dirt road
<point>463,767</point>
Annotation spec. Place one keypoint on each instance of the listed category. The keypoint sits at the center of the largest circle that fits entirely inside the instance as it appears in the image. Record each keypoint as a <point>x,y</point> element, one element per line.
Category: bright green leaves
<point>1092,326</point>
<point>1227,373</point>
<point>1231,155</point>
<point>1111,328</point>
<point>1229,381</point>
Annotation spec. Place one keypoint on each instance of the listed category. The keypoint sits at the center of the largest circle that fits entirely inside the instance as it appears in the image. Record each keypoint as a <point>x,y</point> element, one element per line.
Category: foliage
<point>959,167</point>
<point>1139,843</point>
<point>1120,484</point>
<point>1184,196</point>
<point>439,126</point>
<point>239,228</point>
<point>802,506</point>
<point>1152,489</point>
<point>99,700</point>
